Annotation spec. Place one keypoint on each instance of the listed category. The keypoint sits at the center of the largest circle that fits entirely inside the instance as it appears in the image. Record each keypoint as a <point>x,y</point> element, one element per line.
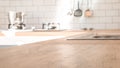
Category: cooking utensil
<point>71,12</point>
<point>88,11</point>
<point>78,12</point>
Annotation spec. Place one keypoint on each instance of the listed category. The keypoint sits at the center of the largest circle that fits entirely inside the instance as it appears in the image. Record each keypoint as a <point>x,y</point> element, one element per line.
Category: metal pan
<point>78,12</point>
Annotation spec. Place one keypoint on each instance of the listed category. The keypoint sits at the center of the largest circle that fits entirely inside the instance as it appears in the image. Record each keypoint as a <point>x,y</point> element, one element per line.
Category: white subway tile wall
<point>106,13</point>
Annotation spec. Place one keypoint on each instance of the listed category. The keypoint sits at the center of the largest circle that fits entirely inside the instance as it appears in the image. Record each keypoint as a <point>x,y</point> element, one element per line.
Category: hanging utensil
<point>71,12</point>
<point>73,7</point>
<point>78,12</point>
<point>88,11</point>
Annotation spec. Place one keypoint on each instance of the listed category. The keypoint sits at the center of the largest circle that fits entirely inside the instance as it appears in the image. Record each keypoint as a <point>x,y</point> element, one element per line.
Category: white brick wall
<point>106,13</point>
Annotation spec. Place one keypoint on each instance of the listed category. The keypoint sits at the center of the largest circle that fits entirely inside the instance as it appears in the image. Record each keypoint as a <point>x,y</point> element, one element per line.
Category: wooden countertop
<point>51,33</point>
<point>62,53</point>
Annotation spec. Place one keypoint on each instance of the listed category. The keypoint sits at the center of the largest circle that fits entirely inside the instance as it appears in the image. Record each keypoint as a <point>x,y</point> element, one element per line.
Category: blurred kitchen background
<point>106,13</point>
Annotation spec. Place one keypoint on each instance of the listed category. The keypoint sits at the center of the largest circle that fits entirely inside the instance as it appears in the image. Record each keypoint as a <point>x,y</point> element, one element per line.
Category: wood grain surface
<point>62,53</point>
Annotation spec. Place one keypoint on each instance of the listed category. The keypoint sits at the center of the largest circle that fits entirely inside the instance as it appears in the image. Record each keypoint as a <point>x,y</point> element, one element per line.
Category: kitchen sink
<point>95,37</point>
<point>108,36</point>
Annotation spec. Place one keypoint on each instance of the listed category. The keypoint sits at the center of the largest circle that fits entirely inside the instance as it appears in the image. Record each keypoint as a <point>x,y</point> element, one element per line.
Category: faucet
<point>51,26</point>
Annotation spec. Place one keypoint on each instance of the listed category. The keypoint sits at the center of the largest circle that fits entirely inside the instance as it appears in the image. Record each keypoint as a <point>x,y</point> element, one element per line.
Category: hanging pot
<point>78,12</point>
<point>88,11</point>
